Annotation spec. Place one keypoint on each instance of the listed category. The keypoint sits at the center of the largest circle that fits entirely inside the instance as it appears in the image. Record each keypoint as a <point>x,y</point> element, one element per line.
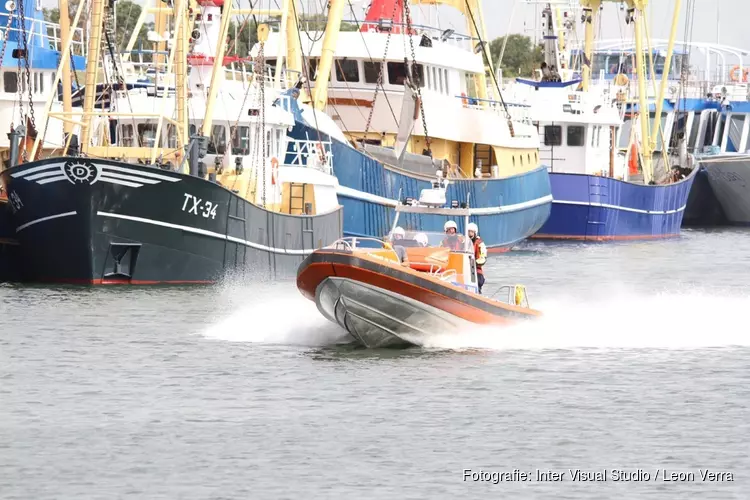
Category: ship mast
<point>636,14</point>
<point>65,60</point>
<point>590,12</point>
<point>66,115</point>
<point>335,15</point>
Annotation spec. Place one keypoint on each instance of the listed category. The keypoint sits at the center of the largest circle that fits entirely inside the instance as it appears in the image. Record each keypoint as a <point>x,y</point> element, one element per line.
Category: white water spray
<point>626,321</point>
<point>277,315</point>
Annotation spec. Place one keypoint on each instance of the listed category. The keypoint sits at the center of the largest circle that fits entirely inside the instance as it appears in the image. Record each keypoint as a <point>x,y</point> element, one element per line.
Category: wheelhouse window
<point>240,140</point>
<point>171,136</point>
<point>552,135</point>
<point>347,70</point>
<point>147,134</point>
<point>313,64</point>
<point>372,70</point>
<point>576,135</point>
<point>126,135</point>
<point>218,143</point>
<point>10,82</point>
<point>397,73</point>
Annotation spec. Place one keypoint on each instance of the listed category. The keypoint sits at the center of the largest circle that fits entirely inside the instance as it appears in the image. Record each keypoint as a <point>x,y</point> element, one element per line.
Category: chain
<point>2,51</point>
<point>5,38</point>
<point>26,61</point>
<point>379,82</point>
<point>418,79</point>
<point>264,146</point>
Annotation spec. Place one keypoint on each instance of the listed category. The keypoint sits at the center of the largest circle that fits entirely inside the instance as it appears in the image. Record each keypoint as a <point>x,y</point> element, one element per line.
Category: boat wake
<point>275,315</point>
<point>627,321</point>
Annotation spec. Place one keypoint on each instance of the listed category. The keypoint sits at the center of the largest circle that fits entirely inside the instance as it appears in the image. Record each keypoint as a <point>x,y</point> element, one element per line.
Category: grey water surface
<point>639,370</point>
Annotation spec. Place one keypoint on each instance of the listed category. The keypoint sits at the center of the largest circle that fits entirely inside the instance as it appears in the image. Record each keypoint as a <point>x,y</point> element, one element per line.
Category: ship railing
<point>40,33</point>
<point>355,242</point>
<point>518,112</point>
<point>308,154</point>
<point>351,243</point>
<point>512,294</point>
<point>438,34</point>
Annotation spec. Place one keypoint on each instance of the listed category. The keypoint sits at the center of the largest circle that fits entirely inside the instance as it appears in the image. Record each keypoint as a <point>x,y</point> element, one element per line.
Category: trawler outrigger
<point>395,293</point>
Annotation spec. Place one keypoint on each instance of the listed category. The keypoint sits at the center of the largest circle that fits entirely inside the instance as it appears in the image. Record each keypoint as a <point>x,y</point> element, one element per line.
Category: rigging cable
<point>489,60</point>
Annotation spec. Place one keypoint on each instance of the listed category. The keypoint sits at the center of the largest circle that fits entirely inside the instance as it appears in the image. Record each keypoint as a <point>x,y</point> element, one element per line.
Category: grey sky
<point>732,15</point>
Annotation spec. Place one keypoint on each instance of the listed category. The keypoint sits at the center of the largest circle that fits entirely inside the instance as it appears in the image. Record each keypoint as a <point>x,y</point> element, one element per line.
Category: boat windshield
<point>456,242</point>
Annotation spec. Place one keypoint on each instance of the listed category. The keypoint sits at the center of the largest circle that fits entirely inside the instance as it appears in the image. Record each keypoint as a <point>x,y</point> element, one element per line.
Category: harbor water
<point>637,376</point>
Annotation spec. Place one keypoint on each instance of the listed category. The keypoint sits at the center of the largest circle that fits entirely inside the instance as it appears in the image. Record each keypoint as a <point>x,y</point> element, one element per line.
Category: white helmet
<point>450,224</point>
<point>473,227</point>
<point>421,238</point>
<point>399,231</point>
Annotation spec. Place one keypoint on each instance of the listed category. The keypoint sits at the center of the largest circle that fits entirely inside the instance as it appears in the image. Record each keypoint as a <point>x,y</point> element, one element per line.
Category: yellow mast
<point>665,74</point>
<point>93,56</point>
<point>218,69</point>
<point>644,115</point>
<point>335,16</point>
<point>177,45</point>
<point>65,50</point>
<point>65,56</point>
<point>282,43</point>
<point>293,48</point>
<point>180,76</point>
<point>590,12</point>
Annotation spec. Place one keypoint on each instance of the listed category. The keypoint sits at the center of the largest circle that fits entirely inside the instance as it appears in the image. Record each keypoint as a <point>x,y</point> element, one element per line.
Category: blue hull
<point>506,210</point>
<point>594,208</point>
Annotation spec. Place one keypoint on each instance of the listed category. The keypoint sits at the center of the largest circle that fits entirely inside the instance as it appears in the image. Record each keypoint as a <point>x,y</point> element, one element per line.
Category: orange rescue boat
<point>396,292</point>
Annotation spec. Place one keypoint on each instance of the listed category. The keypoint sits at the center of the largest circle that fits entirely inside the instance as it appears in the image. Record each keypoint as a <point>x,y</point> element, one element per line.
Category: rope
<point>494,78</point>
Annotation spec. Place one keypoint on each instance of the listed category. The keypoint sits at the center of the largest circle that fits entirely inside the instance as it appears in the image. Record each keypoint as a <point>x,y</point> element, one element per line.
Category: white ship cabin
<point>291,176</point>
<point>468,131</point>
<point>576,129</point>
<point>44,45</point>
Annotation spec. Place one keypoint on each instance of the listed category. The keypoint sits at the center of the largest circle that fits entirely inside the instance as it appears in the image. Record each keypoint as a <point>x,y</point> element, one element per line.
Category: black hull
<point>108,222</point>
<point>10,254</point>
<point>703,208</point>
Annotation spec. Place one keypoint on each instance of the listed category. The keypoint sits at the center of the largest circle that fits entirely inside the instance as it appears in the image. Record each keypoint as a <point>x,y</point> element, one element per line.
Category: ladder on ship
<point>297,194</point>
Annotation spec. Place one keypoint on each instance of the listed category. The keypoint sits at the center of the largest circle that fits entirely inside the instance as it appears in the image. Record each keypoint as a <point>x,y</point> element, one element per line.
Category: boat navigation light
<point>454,204</point>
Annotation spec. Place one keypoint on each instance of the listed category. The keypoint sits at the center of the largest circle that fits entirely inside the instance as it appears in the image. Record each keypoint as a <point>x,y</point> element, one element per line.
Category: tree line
<point>521,57</point>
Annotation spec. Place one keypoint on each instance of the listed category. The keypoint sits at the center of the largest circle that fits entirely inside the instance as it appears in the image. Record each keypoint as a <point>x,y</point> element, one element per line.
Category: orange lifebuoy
<point>734,74</point>
<point>464,99</point>
<point>274,170</point>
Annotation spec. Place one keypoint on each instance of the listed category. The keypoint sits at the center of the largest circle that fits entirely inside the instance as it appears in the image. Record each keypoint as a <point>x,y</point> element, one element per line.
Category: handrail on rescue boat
<point>516,295</point>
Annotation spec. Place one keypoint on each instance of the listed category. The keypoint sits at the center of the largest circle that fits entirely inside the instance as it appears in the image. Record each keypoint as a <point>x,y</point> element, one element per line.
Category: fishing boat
<point>725,162</point>
<point>603,193</point>
<point>399,292</point>
<point>134,202</point>
<point>399,101</point>
<point>30,50</point>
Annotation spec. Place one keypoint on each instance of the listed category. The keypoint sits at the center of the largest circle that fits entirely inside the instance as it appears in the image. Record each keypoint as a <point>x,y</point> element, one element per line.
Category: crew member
<point>452,240</point>
<point>398,234</point>
<point>480,252</point>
